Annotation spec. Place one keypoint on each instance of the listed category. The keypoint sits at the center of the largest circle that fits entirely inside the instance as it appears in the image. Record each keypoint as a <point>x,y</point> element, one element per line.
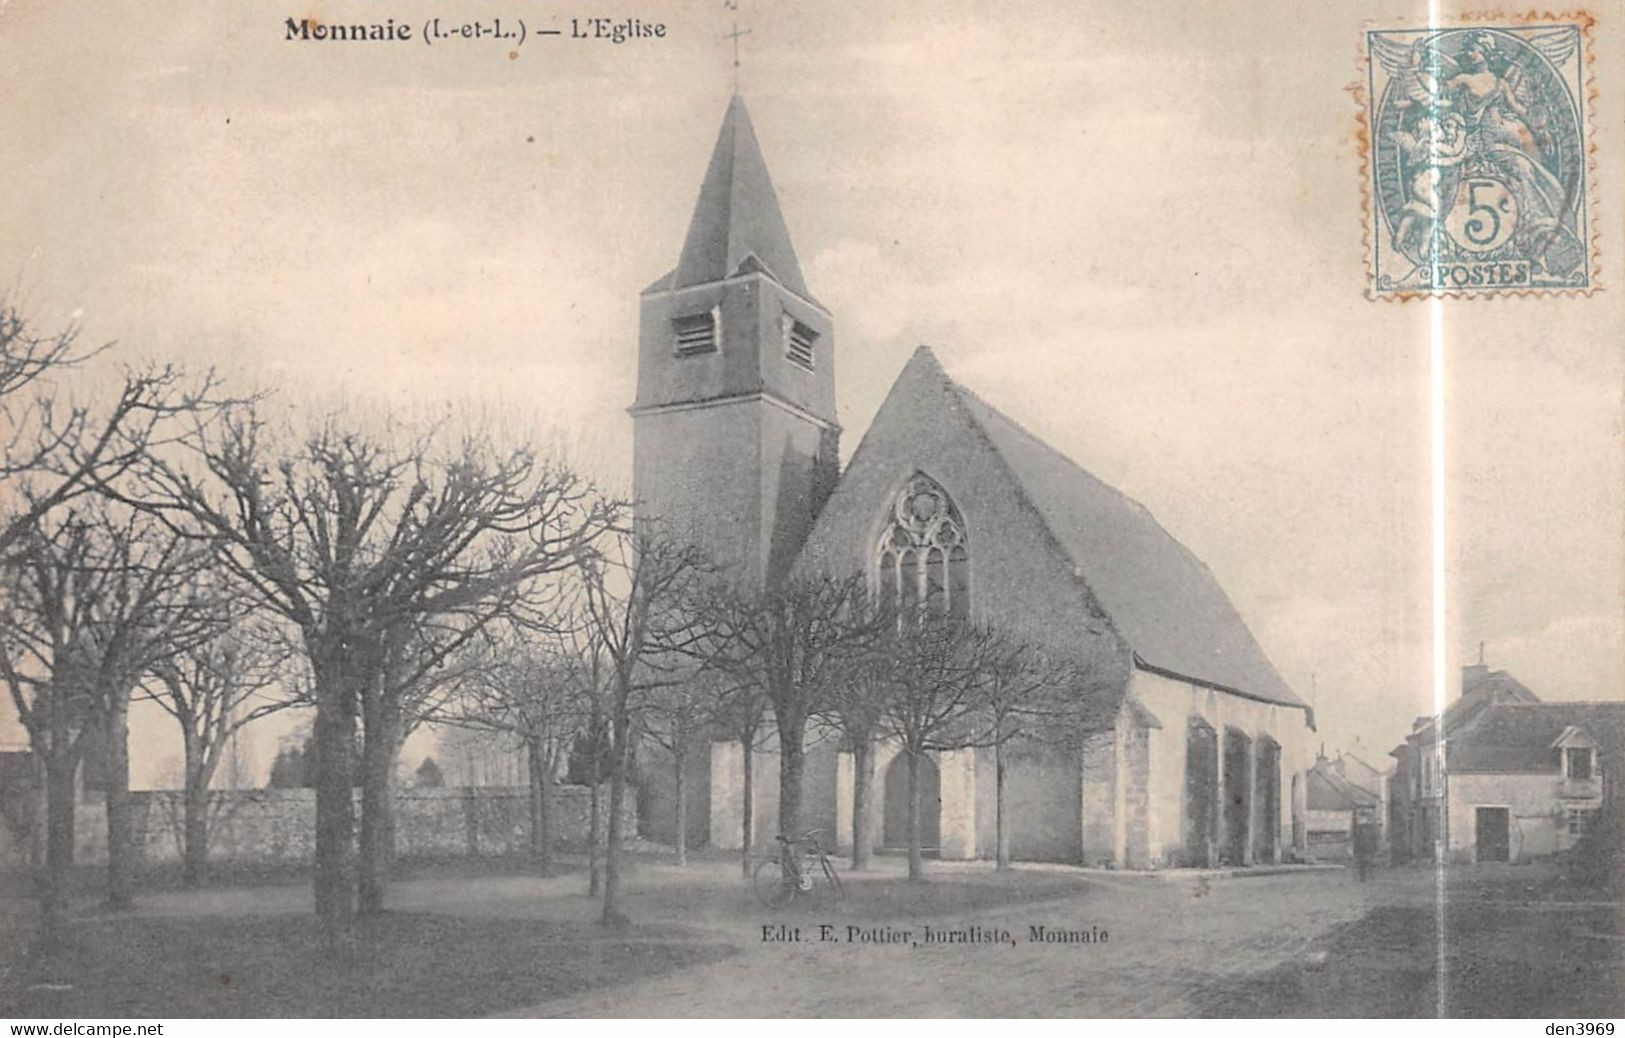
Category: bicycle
<point>780,878</point>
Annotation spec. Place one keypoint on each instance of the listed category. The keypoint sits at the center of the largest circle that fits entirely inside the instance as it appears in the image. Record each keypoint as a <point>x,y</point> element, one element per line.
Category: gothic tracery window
<point>921,559</point>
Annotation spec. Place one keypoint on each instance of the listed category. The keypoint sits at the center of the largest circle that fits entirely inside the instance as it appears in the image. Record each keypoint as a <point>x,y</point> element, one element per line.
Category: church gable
<point>1049,544</point>
<point>1018,575</point>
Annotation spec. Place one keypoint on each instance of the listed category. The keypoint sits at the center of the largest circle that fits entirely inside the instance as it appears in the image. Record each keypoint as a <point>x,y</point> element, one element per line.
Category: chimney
<point>1473,673</point>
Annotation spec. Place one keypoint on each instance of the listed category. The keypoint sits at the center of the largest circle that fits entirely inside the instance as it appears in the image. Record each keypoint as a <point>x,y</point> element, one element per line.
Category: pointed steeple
<point>737,226</point>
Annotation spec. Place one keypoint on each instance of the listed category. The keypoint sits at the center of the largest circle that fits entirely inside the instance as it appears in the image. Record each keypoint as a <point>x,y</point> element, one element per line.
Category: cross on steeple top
<point>733,5</point>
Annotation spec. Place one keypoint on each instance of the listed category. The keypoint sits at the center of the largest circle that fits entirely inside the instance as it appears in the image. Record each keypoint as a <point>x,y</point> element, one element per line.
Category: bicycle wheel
<point>774,885</point>
<point>834,879</point>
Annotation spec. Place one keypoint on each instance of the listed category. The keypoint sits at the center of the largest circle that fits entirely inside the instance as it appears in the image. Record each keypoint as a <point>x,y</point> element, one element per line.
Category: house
<point>1361,774</point>
<point>1527,780</point>
<point>1202,750</point>
<point>1503,776</point>
<point>1335,806</point>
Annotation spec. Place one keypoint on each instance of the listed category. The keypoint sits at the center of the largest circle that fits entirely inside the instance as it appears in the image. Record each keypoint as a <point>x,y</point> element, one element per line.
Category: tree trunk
<point>120,833</point>
<point>544,806</point>
<point>533,773</point>
<point>1002,828</point>
<point>916,860</point>
<point>612,851</point>
<point>59,811</point>
<point>195,805</point>
<point>541,799</point>
<point>335,806</point>
<point>378,755</point>
<point>747,821</point>
<point>792,757</point>
<point>595,825</point>
<point>39,803</point>
<point>682,805</point>
<point>863,782</point>
<point>196,835</point>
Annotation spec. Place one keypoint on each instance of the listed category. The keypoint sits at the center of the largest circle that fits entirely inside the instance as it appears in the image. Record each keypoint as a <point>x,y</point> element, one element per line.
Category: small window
<point>694,334</point>
<point>1581,820</point>
<point>798,342</point>
<point>1577,763</point>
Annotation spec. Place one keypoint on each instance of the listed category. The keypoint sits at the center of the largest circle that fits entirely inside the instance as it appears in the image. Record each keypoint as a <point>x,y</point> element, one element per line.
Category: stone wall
<point>1041,801</point>
<point>1098,805</point>
<point>279,825</point>
<point>819,797</point>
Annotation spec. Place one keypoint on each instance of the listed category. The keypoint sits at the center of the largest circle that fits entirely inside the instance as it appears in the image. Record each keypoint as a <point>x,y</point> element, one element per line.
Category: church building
<point>1201,750</point>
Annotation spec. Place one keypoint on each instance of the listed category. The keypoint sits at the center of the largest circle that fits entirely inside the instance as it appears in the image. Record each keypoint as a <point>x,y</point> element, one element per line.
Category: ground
<point>467,939</point>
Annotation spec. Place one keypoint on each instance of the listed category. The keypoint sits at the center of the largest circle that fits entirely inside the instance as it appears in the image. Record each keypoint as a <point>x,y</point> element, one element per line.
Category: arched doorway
<point>894,828</point>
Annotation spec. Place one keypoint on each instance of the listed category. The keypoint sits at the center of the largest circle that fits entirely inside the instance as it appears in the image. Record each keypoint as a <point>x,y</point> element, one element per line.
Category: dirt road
<point>1164,939</point>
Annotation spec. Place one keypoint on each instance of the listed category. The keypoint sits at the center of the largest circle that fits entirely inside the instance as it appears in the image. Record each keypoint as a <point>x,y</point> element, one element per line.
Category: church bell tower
<point>734,435</point>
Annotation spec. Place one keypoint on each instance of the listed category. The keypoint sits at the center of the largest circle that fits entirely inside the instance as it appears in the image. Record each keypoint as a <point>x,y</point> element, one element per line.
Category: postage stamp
<point>1478,150</point>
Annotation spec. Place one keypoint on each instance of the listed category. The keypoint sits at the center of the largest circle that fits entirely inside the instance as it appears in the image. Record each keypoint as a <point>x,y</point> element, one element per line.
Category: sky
<point>1134,228</point>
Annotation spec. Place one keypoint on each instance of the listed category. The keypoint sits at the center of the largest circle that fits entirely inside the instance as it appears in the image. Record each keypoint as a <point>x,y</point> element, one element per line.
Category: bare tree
<point>527,690</point>
<point>678,714</point>
<point>739,710</point>
<point>858,710</point>
<point>586,671</point>
<point>589,675</point>
<point>636,597</point>
<point>47,652</point>
<point>98,599</point>
<point>357,544</point>
<point>214,689</point>
<point>933,702</point>
<point>26,356</point>
<point>153,606</point>
<point>56,450</point>
<point>424,660</point>
<point>1025,694</point>
<point>790,641</point>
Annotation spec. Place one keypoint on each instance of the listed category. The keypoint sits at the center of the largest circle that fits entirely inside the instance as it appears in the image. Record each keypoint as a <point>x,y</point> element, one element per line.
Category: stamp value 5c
<point>1478,162</point>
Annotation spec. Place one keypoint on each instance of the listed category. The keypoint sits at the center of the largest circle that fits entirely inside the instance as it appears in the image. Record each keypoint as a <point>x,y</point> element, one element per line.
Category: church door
<point>894,828</point>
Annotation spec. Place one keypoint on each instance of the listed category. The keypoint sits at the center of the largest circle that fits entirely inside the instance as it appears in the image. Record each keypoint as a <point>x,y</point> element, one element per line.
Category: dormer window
<point>798,342</point>
<point>1577,756</point>
<point>1577,763</point>
<point>693,334</point>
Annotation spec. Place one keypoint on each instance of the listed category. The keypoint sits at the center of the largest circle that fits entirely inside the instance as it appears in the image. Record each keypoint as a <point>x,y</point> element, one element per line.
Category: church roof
<point>1162,599</point>
<point>737,227</point>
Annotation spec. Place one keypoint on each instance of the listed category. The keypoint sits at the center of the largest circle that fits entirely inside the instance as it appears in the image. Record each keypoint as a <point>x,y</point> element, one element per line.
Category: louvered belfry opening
<point>798,342</point>
<point>695,333</point>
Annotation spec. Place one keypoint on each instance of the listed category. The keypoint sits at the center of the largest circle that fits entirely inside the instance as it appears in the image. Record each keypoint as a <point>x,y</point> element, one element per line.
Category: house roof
<point>1162,599</point>
<point>1356,758</point>
<point>1326,790</point>
<point>737,226</point>
<point>1481,688</point>
<point>1358,772</point>
<point>1519,737</point>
